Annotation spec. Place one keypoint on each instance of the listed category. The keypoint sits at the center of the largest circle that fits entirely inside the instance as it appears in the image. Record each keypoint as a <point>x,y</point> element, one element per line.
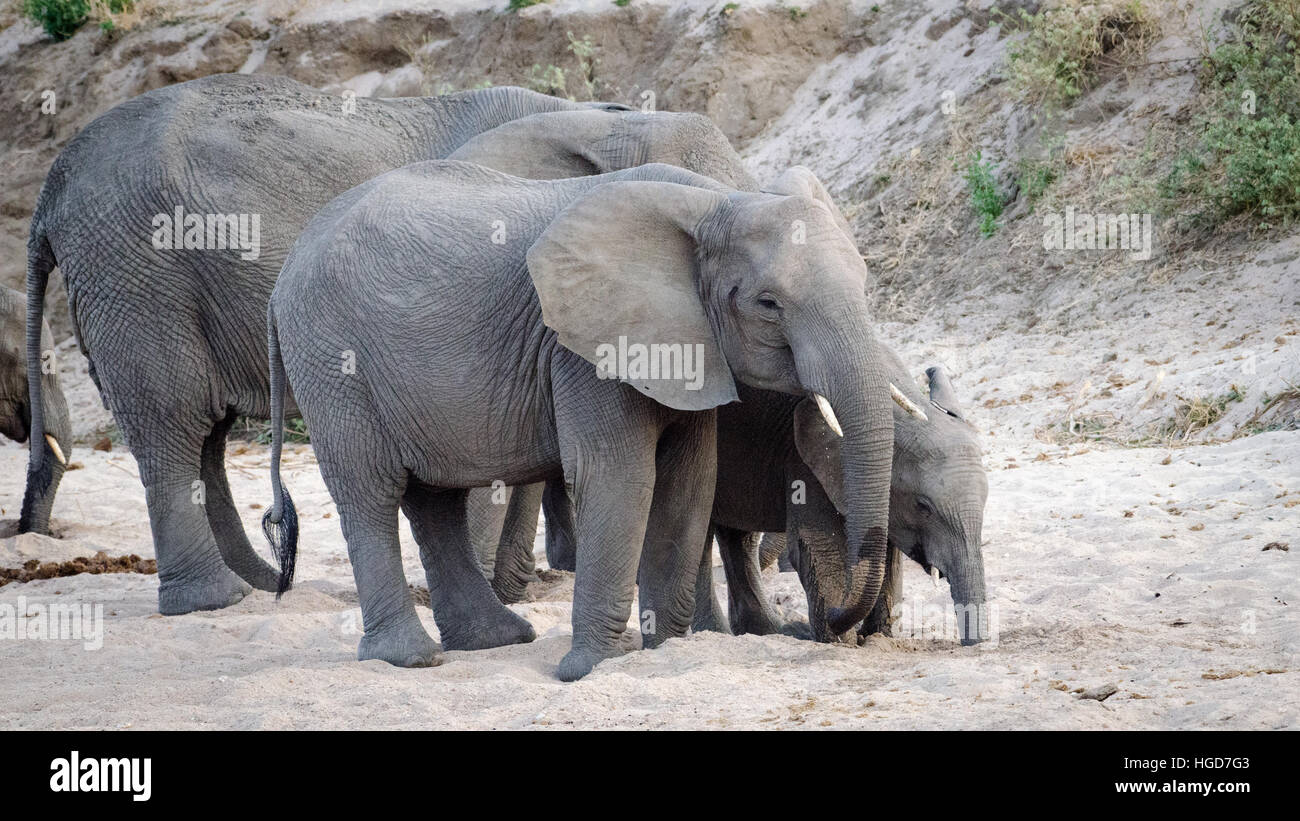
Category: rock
<point>1101,693</point>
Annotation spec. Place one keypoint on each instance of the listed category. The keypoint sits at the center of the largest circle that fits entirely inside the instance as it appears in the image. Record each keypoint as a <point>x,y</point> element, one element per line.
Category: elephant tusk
<point>58,451</point>
<point>934,576</point>
<point>828,414</point>
<point>907,404</point>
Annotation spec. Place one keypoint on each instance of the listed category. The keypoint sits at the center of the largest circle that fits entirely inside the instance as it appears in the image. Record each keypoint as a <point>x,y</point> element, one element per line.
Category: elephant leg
<point>485,512</point>
<point>561,546</point>
<point>192,575</point>
<point>613,482</point>
<point>468,613</point>
<point>748,607</point>
<point>881,618</point>
<point>772,550</point>
<point>393,632</point>
<point>223,517</point>
<point>708,612</point>
<point>678,527</point>
<point>515,566</point>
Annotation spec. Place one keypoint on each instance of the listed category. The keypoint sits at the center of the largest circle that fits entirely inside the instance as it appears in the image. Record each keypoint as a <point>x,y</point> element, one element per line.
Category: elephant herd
<point>594,306</point>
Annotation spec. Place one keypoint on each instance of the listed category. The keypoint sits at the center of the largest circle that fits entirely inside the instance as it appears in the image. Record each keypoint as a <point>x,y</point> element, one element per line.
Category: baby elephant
<point>936,509</point>
<point>439,326</point>
<point>15,407</point>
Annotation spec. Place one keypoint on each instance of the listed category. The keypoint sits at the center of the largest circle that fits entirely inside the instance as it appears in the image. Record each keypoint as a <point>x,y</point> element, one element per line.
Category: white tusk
<point>934,576</point>
<point>907,404</point>
<point>828,414</point>
<point>58,451</point>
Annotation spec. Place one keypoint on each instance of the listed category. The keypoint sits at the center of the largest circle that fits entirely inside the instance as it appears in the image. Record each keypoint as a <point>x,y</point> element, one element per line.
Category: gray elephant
<point>936,510</point>
<point>438,326</point>
<point>15,413</point>
<point>778,472</point>
<point>170,217</point>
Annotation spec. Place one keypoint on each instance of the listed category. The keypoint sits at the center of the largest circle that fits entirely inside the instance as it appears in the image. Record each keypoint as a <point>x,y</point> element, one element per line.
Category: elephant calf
<point>439,326</point>
<point>16,409</point>
<point>936,508</point>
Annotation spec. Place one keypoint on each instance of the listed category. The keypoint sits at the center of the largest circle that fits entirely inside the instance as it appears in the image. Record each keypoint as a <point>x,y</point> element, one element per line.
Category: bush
<point>62,18</point>
<point>59,18</point>
<point>1246,159</point>
<point>985,198</point>
<point>1062,48</point>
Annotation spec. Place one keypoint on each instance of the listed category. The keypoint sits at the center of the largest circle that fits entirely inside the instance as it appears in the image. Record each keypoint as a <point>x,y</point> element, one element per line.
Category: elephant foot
<point>797,629</point>
<point>579,661</point>
<point>221,589</point>
<point>508,628</point>
<point>406,646</point>
<point>710,621</point>
<point>756,625</point>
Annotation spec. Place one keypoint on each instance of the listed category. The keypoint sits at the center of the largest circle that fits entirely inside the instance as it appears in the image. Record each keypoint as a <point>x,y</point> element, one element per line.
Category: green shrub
<point>516,5</point>
<point>984,195</point>
<point>59,18</point>
<point>62,18</point>
<point>1246,158</point>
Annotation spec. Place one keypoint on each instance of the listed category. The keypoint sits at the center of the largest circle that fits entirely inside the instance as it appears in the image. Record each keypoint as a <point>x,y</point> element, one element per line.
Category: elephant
<point>778,474</point>
<point>15,413</point>
<point>237,165</point>
<point>438,326</point>
<point>936,511</point>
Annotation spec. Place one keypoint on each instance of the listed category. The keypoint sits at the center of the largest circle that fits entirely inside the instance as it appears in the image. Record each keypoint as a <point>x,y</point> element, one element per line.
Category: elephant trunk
<point>851,377</point>
<point>966,582</point>
<point>38,498</point>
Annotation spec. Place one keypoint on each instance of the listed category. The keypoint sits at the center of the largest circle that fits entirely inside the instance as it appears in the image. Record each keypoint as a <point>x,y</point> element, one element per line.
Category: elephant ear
<point>819,447</point>
<point>942,395</point>
<point>798,181</point>
<point>555,145</point>
<point>615,274</point>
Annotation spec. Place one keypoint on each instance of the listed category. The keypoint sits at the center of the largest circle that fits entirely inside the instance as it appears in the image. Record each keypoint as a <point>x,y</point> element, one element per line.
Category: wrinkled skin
<point>15,410</point>
<point>176,338</point>
<point>465,383</point>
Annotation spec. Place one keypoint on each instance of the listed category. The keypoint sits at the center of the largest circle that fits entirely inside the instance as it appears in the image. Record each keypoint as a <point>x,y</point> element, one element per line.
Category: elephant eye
<point>769,304</point>
<point>923,504</point>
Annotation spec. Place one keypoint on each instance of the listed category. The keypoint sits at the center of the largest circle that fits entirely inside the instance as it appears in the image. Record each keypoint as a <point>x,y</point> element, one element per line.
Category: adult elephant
<point>15,412</point>
<point>473,347</point>
<point>170,217</point>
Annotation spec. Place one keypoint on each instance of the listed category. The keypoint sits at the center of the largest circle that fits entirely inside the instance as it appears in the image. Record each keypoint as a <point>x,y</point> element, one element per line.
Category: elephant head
<point>937,495</point>
<point>767,287</point>
<point>562,144</point>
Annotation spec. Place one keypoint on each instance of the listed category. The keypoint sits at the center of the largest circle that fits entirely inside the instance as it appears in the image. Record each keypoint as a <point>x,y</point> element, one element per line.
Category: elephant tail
<point>280,523</point>
<point>43,448</point>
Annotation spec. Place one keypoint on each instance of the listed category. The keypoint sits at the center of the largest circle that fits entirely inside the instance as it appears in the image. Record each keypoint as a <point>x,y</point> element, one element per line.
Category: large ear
<point>615,273</point>
<point>798,181</point>
<point>555,145</point>
<point>819,447</point>
<point>941,392</point>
